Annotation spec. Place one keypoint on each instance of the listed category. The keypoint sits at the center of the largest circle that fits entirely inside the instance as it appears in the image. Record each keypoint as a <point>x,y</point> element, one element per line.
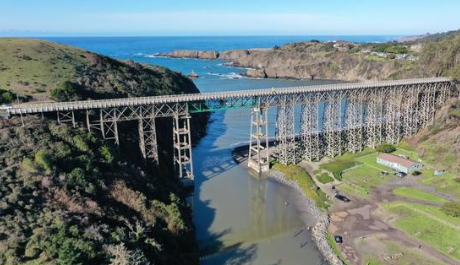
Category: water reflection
<point>242,218</point>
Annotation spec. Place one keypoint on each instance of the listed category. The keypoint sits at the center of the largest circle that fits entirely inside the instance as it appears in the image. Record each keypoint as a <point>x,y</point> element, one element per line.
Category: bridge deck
<point>39,107</point>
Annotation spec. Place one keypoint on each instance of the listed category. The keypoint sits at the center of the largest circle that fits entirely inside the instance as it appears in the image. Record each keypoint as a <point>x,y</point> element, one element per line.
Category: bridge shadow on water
<point>211,159</point>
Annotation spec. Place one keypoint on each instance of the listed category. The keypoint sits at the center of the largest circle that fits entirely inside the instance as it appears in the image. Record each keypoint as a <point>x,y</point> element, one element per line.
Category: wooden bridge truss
<point>333,119</point>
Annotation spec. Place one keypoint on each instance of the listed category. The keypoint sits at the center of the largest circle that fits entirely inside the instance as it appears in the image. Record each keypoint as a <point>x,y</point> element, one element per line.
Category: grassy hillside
<point>439,143</point>
<point>34,68</point>
<point>437,56</point>
<point>69,197</point>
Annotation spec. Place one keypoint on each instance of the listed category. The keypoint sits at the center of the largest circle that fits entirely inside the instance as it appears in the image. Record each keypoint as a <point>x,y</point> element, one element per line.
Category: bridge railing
<point>38,107</point>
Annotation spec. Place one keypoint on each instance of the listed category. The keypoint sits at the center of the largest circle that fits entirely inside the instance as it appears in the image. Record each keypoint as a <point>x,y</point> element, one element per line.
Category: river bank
<point>316,221</point>
<point>319,230</point>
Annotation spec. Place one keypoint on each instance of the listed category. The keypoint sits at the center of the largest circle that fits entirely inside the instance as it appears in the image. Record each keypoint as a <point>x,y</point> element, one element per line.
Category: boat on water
<point>193,75</point>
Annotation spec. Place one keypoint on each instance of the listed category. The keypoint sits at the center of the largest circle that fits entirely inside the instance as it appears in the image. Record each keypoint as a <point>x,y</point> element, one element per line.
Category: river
<point>257,219</point>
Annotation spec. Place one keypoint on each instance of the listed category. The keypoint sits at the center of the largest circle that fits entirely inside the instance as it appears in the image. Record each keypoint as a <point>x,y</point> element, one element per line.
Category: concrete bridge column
<point>285,130</point>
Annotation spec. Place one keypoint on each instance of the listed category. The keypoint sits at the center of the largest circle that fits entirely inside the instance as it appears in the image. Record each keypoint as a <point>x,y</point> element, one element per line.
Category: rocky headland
<point>341,60</point>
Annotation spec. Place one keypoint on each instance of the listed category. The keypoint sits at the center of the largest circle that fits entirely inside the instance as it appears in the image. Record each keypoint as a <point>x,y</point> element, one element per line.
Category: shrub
<point>44,159</point>
<point>325,178</point>
<point>80,143</point>
<point>424,138</point>
<point>67,91</point>
<point>6,97</point>
<point>28,165</point>
<point>386,148</point>
<point>77,179</point>
<point>452,209</point>
<point>107,153</point>
<point>397,49</point>
<point>67,246</point>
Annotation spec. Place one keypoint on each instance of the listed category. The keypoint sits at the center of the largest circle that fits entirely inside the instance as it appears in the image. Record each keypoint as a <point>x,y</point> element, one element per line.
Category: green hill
<point>69,197</point>
<point>34,68</point>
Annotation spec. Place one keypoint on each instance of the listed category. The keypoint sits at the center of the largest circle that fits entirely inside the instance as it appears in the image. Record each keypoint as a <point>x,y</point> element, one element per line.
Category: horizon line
<point>216,35</point>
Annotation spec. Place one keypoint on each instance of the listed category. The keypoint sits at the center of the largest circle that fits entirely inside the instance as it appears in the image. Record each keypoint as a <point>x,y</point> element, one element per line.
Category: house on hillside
<point>381,54</point>
<point>401,56</point>
<point>398,163</point>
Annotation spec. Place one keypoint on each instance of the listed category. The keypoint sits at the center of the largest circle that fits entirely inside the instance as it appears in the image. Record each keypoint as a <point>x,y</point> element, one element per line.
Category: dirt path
<point>363,219</point>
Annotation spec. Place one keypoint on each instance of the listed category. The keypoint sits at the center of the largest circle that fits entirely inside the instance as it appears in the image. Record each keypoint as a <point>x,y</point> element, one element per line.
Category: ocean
<point>143,49</point>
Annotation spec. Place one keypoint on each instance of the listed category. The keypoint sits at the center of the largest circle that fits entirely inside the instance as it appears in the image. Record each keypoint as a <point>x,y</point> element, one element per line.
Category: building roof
<point>397,159</point>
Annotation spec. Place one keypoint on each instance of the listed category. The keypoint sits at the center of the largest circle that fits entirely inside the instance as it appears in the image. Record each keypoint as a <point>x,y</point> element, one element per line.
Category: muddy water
<point>242,218</point>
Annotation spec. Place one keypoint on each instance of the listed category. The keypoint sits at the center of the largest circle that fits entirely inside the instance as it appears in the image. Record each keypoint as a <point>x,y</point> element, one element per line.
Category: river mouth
<point>241,217</point>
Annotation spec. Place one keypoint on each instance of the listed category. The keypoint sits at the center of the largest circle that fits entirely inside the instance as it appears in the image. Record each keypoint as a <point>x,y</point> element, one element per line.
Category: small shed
<point>398,163</point>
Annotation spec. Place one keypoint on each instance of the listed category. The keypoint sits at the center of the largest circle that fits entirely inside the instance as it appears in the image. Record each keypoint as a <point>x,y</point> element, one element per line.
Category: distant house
<point>381,54</point>
<point>438,172</point>
<point>401,56</point>
<point>398,163</point>
<point>411,57</point>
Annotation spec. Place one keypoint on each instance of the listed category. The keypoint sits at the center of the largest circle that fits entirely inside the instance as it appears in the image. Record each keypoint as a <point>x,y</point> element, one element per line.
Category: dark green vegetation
<point>389,47</point>
<point>338,166</point>
<point>68,197</point>
<point>296,173</point>
<point>325,178</point>
<point>6,97</point>
<point>452,209</point>
<point>386,148</point>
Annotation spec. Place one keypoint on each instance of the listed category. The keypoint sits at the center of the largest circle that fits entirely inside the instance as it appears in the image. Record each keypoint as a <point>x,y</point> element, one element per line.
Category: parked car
<point>338,239</point>
<point>342,198</point>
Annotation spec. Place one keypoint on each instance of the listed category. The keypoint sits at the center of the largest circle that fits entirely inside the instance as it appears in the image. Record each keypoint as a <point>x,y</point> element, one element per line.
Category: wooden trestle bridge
<point>334,118</point>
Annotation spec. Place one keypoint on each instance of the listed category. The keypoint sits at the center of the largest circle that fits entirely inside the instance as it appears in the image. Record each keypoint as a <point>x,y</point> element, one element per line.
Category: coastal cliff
<point>70,197</point>
<point>341,60</point>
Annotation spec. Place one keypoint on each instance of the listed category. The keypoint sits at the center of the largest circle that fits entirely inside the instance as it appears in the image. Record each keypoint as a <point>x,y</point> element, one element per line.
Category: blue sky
<point>229,17</point>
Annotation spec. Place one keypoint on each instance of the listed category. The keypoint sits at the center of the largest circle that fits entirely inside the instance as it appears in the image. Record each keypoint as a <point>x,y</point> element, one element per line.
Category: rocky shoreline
<point>319,231</point>
<point>341,60</point>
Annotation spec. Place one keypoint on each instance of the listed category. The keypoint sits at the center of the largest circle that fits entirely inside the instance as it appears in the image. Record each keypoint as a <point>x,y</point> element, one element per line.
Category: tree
<point>66,92</point>
<point>386,148</point>
<point>44,159</point>
<point>6,97</point>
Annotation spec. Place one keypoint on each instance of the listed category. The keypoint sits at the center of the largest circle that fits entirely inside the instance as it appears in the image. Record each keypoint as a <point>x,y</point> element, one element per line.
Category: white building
<point>398,163</point>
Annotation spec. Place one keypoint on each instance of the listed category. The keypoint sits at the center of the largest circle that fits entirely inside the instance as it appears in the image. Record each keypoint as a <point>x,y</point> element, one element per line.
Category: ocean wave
<point>228,76</point>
